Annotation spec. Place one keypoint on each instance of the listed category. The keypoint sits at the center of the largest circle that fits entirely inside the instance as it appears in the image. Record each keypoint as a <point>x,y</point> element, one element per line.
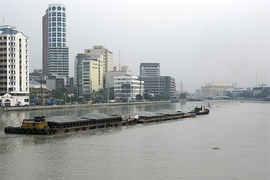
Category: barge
<point>65,124</point>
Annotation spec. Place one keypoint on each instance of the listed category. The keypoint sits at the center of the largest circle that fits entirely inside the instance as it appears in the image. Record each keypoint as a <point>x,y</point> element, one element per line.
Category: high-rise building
<point>88,76</point>
<point>14,67</point>
<point>55,53</point>
<point>107,56</point>
<point>107,59</point>
<point>149,69</point>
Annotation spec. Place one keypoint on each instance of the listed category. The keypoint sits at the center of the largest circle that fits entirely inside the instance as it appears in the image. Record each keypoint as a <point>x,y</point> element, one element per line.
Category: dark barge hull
<point>89,124</point>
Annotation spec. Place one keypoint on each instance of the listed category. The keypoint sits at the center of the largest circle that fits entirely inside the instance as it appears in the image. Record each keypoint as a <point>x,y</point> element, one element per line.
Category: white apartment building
<point>127,87</point>
<point>14,67</point>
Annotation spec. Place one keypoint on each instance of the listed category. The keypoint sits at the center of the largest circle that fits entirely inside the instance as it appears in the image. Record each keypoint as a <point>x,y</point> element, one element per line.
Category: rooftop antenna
<point>256,80</point>
<point>3,21</point>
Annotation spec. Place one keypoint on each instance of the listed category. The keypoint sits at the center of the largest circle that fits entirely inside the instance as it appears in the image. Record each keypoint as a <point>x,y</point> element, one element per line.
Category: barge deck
<point>65,124</point>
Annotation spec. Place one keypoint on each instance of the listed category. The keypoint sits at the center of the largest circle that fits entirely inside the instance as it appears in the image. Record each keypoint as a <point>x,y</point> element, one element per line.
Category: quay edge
<point>40,107</point>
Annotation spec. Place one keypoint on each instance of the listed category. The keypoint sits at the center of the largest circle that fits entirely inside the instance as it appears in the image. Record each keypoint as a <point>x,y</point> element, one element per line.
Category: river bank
<point>68,106</point>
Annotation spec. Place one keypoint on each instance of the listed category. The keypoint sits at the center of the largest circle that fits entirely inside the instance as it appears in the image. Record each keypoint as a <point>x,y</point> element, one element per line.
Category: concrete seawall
<point>32,108</point>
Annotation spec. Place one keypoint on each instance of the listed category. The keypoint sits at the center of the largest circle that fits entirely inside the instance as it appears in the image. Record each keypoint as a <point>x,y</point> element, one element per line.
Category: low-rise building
<point>126,88</point>
<point>215,89</point>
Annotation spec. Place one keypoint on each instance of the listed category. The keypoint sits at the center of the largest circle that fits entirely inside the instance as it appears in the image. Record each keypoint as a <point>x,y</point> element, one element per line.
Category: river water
<point>232,142</point>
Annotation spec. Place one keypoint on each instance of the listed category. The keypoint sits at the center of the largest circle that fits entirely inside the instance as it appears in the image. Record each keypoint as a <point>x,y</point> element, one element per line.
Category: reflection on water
<point>177,149</point>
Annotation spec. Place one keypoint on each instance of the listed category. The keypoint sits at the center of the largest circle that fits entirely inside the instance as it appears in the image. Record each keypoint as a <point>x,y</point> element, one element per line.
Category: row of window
<point>12,72</point>
<point>59,29</point>
<point>58,45</point>
<point>57,18</point>
<point>58,39</point>
<point>57,14</point>
<point>59,8</point>
<point>58,35</point>
<point>10,38</point>
<point>58,24</point>
<point>13,55</point>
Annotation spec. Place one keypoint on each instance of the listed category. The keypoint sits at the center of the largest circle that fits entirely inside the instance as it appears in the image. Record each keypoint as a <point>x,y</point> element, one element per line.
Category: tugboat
<point>200,111</point>
<point>38,125</point>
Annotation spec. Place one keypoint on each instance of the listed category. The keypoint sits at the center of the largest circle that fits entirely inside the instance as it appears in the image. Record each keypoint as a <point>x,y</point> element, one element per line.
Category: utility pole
<point>108,93</point>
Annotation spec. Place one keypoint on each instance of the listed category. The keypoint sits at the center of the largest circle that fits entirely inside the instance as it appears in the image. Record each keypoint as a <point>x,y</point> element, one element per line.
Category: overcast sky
<point>195,41</point>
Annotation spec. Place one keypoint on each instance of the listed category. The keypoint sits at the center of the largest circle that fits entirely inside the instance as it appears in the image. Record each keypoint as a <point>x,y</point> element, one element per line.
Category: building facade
<point>55,52</point>
<point>14,67</point>
<point>215,89</point>
<point>159,85</point>
<point>150,69</point>
<point>88,74</point>
<point>127,87</point>
<point>107,55</point>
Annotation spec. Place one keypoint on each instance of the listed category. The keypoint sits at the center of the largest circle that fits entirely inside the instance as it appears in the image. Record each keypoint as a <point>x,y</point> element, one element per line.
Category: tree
<point>183,96</point>
<point>139,97</point>
<point>148,97</point>
<point>60,93</point>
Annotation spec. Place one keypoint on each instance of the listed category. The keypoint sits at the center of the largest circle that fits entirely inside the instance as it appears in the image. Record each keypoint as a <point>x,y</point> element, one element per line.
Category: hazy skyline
<point>194,41</point>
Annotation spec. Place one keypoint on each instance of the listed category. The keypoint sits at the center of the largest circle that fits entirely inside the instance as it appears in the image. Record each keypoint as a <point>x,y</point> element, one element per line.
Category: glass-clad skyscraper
<point>55,54</point>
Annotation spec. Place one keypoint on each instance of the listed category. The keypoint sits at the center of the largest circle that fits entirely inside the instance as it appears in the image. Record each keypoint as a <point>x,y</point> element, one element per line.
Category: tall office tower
<point>14,67</point>
<point>55,53</point>
<point>149,69</point>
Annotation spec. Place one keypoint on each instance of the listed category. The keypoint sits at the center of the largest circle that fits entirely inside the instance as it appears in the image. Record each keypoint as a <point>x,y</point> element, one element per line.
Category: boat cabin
<point>38,122</point>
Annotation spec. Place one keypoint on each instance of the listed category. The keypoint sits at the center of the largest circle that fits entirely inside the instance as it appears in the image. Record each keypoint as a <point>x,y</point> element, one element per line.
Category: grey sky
<point>196,41</point>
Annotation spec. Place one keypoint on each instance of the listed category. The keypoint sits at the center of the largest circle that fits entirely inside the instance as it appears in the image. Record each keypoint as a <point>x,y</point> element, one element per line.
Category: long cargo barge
<point>65,124</point>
